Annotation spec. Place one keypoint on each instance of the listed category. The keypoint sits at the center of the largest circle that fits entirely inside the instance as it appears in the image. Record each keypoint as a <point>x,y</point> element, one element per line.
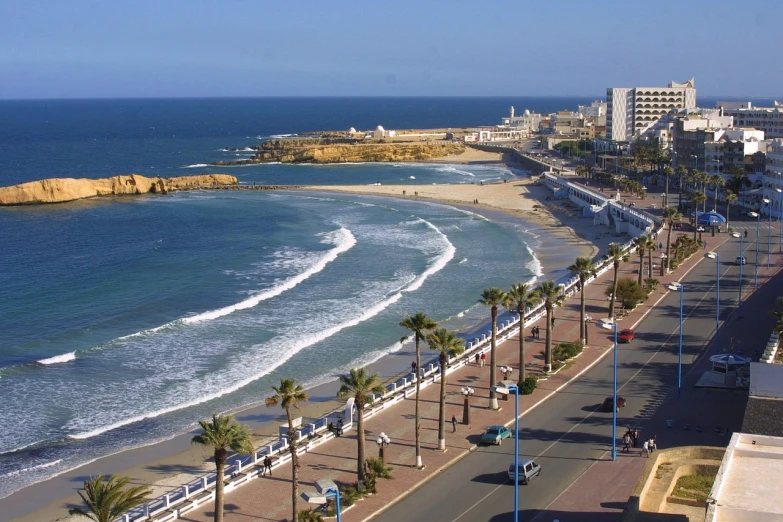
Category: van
<point>527,470</point>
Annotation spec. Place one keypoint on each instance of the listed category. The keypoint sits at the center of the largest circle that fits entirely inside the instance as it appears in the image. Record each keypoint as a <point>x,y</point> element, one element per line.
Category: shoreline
<point>169,464</point>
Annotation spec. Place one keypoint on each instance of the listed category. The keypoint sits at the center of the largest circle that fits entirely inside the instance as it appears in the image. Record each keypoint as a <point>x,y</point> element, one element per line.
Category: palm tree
<point>738,179</point>
<point>582,267</point>
<point>449,345</point>
<point>717,181</point>
<point>290,394</point>
<point>670,217</point>
<point>223,434</point>
<point>617,256</point>
<point>419,324</point>
<point>667,173</point>
<point>639,243</point>
<point>107,500</point>
<point>698,198</point>
<point>550,295</point>
<point>704,179</point>
<point>682,173</point>
<point>520,298</point>
<point>650,247</point>
<point>360,385</point>
<point>493,297</point>
<point>730,198</point>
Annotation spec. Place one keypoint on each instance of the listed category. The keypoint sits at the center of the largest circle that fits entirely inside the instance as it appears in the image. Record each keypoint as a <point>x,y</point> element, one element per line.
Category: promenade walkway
<point>269,498</point>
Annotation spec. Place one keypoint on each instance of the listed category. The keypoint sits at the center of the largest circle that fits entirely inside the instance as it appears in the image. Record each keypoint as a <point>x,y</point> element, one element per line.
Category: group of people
<point>631,438</point>
<point>337,430</point>
<point>481,359</point>
<point>536,330</point>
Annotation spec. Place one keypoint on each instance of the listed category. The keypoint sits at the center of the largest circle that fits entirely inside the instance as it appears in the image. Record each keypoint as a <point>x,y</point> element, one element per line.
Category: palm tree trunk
<point>668,248</point>
<point>493,400</point>
<point>417,418</point>
<point>221,456</point>
<point>649,262</point>
<point>442,408</point>
<point>641,265</point>
<point>666,189</point>
<point>360,444</point>
<point>294,465</point>
<point>728,209</point>
<point>548,347</point>
<point>521,347</point>
<point>614,292</point>
<point>582,325</point>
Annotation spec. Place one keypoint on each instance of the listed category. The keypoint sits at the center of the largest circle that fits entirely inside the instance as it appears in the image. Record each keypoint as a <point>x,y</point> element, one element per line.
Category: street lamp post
<point>383,440</point>
<point>716,257</point>
<point>467,392</point>
<point>613,325</point>
<point>507,390</point>
<point>769,234</point>
<point>741,260</point>
<point>681,289</point>
<point>780,210</point>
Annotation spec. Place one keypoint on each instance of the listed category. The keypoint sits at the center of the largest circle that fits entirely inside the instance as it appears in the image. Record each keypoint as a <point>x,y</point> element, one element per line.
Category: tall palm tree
<point>551,296</point>
<point>584,268</point>
<point>617,256</point>
<point>682,173</point>
<point>360,385</point>
<point>223,434</point>
<point>670,217</point>
<point>716,181</point>
<point>419,324</point>
<point>651,247</point>
<point>448,345</point>
<point>730,198</point>
<point>704,179</point>
<point>667,173</point>
<point>107,499</point>
<point>738,179</point>
<point>290,395</point>
<point>698,198</point>
<point>520,298</point>
<point>640,243</point>
<point>493,297</point>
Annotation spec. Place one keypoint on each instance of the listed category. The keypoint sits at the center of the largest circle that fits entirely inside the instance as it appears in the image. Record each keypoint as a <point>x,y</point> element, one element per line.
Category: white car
<point>741,260</point>
<point>527,470</point>
<point>607,323</point>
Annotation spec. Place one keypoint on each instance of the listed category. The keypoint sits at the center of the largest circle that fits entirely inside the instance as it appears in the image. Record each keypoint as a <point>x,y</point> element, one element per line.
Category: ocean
<point>124,321</point>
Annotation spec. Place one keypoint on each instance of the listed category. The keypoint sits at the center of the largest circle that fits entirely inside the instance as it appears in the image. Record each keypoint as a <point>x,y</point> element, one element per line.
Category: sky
<point>200,48</point>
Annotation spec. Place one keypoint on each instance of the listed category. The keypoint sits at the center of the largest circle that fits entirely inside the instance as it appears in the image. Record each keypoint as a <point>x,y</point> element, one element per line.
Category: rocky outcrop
<point>59,190</point>
<point>325,151</point>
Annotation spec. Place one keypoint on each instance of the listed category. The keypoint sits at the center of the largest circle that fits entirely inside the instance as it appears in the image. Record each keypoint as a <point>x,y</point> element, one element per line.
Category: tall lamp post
<point>716,257</point>
<point>679,288</point>
<point>741,260</point>
<point>613,325</point>
<point>467,392</point>
<point>508,390</point>
<point>780,210</point>
<point>383,441</point>
<point>769,233</point>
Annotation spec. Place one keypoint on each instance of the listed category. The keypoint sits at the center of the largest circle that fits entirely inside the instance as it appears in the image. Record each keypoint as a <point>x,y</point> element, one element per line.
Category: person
<point>478,356</point>
<point>635,437</point>
<point>340,427</point>
<point>653,444</point>
<point>533,332</point>
<point>646,448</point>
<point>538,332</point>
<point>330,427</point>
<point>413,367</point>
<point>454,423</point>
<point>660,245</point>
<point>268,465</point>
<point>627,442</point>
<point>746,233</point>
<point>553,322</point>
<point>483,359</point>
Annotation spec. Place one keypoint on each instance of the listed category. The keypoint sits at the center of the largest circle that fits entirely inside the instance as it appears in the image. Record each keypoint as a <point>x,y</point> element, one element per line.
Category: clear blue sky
<point>177,48</point>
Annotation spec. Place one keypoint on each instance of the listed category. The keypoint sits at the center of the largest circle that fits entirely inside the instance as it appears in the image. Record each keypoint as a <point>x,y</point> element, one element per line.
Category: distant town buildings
<point>767,119</point>
<point>631,111</point>
<point>528,121</point>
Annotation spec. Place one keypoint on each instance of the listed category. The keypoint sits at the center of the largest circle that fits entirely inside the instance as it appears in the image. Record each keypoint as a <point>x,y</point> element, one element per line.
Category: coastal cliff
<point>60,190</point>
<point>323,151</point>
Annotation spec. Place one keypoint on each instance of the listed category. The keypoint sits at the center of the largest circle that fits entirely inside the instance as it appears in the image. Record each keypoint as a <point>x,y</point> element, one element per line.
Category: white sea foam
<point>196,165</point>
<point>534,265</point>
<point>32,468</point>
<point>58,359</point>
<point>464,260</point>
<point>342,238</point>
<point>282,135</point>
<point>412,177</point>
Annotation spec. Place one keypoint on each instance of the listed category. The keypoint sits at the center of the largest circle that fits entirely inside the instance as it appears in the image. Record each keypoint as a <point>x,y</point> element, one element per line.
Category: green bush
<point>564,351</point>
<point>528,385</point>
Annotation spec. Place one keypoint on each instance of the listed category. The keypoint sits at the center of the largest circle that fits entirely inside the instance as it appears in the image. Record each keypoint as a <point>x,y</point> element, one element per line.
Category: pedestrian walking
<point>340,427</point>
<point>538,332</point>
<point>533,332</point>
<point>653,444</point>
<point>635,437</point>
<point>268,465</point>
<point>483,359</point>
<point>646,448</point>
<point>454,423</point>
<point>627,442</point>
<point>413,367</point>
<point>553,322</point>
<point>478,356</point>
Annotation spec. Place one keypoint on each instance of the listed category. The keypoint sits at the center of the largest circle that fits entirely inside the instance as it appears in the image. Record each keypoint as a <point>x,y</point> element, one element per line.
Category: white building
<point>773,176</point>
<point>768,119</point>
<point>594,110</point>
<point>528,121</point>
<point>631,111</point>
<point>742,143</point>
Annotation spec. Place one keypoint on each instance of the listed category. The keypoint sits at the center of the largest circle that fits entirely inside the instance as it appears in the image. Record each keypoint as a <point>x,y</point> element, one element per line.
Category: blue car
<point>495,435</point>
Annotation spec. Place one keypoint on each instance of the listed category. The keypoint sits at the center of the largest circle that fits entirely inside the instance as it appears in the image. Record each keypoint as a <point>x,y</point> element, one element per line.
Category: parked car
<point>625,336</point>
<point>741,260</point>
<point>495,435</point>
<point>607,404</point>
<point>527,470</point>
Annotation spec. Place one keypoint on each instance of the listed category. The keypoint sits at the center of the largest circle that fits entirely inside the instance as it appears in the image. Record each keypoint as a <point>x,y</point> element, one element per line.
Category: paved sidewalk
<point>269,498</point>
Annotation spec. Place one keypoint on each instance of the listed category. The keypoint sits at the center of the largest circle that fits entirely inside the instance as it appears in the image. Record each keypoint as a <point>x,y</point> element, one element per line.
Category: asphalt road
<point>567,433</point>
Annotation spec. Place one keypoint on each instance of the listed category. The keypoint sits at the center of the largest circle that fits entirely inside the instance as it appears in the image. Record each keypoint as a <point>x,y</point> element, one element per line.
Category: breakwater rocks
<point>60,190</point>
<point>345,150</point>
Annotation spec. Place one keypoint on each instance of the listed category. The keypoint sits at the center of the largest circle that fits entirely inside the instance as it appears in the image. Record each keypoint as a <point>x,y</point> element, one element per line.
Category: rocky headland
<point>60,190</point>
<point>345,150</point>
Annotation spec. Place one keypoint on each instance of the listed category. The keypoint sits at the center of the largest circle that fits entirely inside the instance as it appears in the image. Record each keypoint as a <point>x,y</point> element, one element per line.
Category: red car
<point>625,336</point>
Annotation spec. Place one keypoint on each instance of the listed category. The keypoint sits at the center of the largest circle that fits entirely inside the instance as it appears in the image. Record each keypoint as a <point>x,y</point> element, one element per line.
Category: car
<point>607,404</point>
<point>495,435</point>
<point>741,260</point>
<point>527,470</point>
<point>625,336</point>
<point>607,323</point>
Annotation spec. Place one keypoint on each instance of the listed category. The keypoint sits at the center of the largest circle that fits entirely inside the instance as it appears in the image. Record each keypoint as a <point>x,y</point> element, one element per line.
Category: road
<point>567,433</point>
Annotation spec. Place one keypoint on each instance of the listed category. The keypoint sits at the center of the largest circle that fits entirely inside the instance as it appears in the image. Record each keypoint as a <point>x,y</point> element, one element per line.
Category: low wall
<point>530,164</point>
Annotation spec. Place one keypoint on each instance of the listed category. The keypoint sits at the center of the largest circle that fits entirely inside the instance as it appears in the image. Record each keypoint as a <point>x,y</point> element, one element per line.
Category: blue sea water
<point>123,321</point>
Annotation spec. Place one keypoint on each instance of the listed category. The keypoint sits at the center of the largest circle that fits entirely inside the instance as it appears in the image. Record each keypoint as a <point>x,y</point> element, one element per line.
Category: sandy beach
<point>169,464</point>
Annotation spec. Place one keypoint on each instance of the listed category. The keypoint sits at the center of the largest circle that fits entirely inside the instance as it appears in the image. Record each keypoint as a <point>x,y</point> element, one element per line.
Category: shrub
<point>630,293</point>
<point>528,385</point>
<point>564,351</point>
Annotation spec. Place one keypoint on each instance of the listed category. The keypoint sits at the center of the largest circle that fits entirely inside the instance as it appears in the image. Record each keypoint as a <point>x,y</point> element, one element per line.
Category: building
<point>528,121</point>
<point>773,176</point>
<point>767,119</point>
<point>594,113</point>
<point>631,111</point>
<point>565,122</point>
